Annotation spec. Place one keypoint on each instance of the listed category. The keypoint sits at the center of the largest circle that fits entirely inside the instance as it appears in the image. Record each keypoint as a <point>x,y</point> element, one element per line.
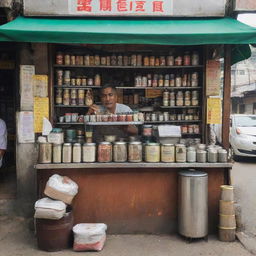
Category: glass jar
<point>201,155</point>
<point>212,155</point>
<point>59,58</point>
<point>195,58</point>
<point>222,155</point>
<point>152,61</point>
<point>57,153</point>
<point>152,152</point>
<point>66,97</point>
<point>45,153</point>
<point>89,152</point>
<point>119,151</point>
<point>58,97</point>
<point>67,77</point>
<point>135,152</point>
<point>191,155</point>
<point>147,130</point>
<point>167,153</point>
<point>104,152</point>
<point>77,153</point>
<point>186,59</point>
<point>181,154</point>
<point>67,153</point>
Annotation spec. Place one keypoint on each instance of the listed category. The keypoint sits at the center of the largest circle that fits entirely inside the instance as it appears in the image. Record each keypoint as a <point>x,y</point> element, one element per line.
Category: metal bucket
<point>54,235</point>
<point>193,204</point>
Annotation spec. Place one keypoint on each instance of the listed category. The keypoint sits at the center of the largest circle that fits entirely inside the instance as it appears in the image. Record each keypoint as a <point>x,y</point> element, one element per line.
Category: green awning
<point>198,31</point>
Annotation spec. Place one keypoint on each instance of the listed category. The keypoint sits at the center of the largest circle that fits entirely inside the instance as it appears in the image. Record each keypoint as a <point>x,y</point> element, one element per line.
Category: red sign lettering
<point>121,5</point>
<point>84,5</point>
<point>158,6</point>
<point>140,6</point>
<point>105,5</point>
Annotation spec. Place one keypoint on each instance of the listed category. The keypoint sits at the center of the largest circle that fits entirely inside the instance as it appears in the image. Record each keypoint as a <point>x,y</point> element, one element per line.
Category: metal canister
<point>135,152</point>
<point>212,155</point>
<point>222,155</point>
<point>201,156</point>
<point>167,153</point>
<point>180,153</point>
<point>81,94</point>
<point>59,58</point>
<point>195,58</point>
<point>191,155</point>
<point>152,61</point>
<point>59,77</point>
<point>104,152</point>
<point>119,151</point>
<point>67,77</point>
<point>77,153</point>
<point>89,152</point>
<point>58,97</point>
<point>67,153</point>
<point>45,153</point>
<point>67,59</point>
<point>56,158</point>
<point>152,152</point>
<point>66,97</point>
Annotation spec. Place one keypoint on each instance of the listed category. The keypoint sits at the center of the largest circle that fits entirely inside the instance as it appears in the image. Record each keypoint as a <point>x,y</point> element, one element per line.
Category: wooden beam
<point>226,105</point>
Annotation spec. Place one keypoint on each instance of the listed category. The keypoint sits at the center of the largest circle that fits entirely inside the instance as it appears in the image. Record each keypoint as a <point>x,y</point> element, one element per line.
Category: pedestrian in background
<point>3,140</point>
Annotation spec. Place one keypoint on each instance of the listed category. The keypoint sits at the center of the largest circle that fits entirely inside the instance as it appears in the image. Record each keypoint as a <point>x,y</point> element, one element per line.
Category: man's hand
<point>93,109</point>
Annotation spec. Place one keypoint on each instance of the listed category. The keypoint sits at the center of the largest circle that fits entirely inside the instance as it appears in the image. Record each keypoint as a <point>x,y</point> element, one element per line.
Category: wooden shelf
<point>171,122</point>
<point>76,87</point>
<point>157,88</point>
<point>114,123</point>
<point>64,123</point>
<point>179,107</point>
<point>69,106</point>
<point>128,67</point>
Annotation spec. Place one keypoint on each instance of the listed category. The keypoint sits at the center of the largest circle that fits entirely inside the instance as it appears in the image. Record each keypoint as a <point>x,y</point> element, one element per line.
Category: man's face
<point>109,98</point>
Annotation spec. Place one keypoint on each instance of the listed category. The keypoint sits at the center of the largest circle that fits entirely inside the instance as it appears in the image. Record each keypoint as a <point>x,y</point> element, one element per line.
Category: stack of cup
<point>227,223</point>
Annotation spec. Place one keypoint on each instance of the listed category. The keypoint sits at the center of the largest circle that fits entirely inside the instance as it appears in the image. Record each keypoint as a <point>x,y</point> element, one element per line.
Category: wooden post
<point>226,105</point>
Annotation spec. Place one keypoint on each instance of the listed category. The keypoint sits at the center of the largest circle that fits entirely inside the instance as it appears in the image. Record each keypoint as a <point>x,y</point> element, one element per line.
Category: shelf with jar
<point>157,88</point>
<point>134,60</point>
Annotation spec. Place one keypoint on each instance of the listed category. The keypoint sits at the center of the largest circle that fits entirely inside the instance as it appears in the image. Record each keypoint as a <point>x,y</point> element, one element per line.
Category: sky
<point>249,19</point>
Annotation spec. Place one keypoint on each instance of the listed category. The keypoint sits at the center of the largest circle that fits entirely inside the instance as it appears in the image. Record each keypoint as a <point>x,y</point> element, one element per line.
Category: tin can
<point>139,60</point>
<point>152,152</point>
<point>90,81</point>
<point>170,60</point>
<point>146,61</point>
<point>167,153</point>
<point>152,60</point>
<point>87,60</point>
<point>178,82</point>
<point>178,61</point>
<point>84,81</point>
<point>77,153</point>
<point>89,152</point>
<point>181,153</point>
<point>108,60</point>
<point>166,95</point>
<point>67,153</point>
<point>81,95</point>
<point>77,60</point>
<point>59,77</point>
<point>135,152</point>
<point>212,155</point>
<point>186,59</point>
<point>172,80</point>
<point>67,59</point>
<point>160,81</point>
<point>104,152</point>
<point>126,60</point>
<point>103,60</point>
<point>119,151</point>
<point>147,130</point>
<point>191,155</point>
<point>162,61</point>
<point>73,81</point>
<point>56,157</point>
<point>113,60</point>
<point>184,129</point>
<point>195,58</point>
<point>184,80</point>
<point>97,60</point>
<point>196,129</point>
<point>133,60</point>
<point>59,58</point>
<point>58,98</point>
<point>144,81</point>
<point>155,80</point>
<point>67,77</point>
<point>153,117</point>
<point>73,60</point>
<point>78,81</point>
<point>166,81</point>
<point>92,61</point>
<point>66,97</point>
<point>166,116</point>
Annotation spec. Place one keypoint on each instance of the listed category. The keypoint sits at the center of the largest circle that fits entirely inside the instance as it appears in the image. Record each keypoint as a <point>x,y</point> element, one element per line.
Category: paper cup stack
<point>227,224</point>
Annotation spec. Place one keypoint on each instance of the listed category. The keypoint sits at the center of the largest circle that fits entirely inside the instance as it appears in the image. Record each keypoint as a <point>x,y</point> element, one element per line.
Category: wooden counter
<point>133,197</point>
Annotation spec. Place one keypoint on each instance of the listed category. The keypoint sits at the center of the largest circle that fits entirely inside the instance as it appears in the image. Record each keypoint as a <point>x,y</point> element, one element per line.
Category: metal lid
<point>89,144</point>
<point>119,143</point>
<point>135,143</point>
<point>180,145</point>
<point>152,144</point>
<point>167,144</point>
<point>67,144</point>
<point>77,145</point>
<point>105,143</point>
<point>193,173</point>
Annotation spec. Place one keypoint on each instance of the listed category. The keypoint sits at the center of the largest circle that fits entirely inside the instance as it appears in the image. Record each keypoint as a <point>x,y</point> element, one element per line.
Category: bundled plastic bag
<point>61,188</point>
<point>89,236</point>
<point>47,208</point>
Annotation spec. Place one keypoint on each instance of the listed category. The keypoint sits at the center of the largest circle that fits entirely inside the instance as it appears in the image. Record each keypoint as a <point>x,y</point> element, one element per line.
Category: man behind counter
<point>108,95</point>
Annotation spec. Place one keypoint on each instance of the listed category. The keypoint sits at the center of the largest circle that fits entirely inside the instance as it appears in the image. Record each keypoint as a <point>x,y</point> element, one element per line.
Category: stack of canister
<point>227,225</point>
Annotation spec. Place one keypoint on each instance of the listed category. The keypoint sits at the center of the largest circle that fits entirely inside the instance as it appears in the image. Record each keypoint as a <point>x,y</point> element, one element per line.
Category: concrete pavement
<point>16,239</point>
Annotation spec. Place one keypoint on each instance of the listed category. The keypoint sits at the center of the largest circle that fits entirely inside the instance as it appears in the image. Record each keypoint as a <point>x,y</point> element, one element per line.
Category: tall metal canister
<point>193,204</point>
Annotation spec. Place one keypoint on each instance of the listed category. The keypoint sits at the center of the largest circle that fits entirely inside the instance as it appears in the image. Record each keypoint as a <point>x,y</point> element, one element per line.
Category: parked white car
<point>243,135</point>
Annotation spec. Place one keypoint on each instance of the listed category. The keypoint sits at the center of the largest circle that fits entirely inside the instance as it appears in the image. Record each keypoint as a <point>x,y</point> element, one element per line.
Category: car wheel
<point>234,156</point>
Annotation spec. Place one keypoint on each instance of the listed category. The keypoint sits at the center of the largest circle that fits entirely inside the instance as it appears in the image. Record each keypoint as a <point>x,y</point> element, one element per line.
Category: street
<point>243,177</point>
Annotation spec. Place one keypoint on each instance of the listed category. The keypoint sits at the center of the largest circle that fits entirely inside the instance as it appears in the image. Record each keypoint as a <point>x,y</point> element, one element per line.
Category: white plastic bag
<point>89,236</point>
<point>47,208</point>
<point>61,188</point>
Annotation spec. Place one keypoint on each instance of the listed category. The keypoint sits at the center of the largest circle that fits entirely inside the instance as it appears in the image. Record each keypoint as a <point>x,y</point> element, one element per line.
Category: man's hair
<point>108,86</point>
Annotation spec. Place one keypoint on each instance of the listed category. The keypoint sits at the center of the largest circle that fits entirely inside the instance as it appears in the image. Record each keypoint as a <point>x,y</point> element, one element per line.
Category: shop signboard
<point>169,8</point>
<point>245,5</point>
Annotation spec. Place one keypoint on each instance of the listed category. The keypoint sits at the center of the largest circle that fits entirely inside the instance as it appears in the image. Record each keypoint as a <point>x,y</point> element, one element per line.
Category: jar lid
<point>152,144</point>
<point>180,145</point>
<point>119,143</point>
<point>147,126</point>
<point>193,173</point>
<point>135,143</point>
<point>77,144</point>
<point>167,144</point>
<point>67,144</point>
<point>105,143</point>
<point>56,130</point>
<point>89,144</point>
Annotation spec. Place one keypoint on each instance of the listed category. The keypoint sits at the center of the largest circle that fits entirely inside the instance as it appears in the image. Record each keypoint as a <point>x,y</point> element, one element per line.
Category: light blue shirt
<point>120,108</point>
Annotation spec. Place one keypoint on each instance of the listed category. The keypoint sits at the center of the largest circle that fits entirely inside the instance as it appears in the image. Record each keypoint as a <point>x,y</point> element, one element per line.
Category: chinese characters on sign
<point>121,7</point>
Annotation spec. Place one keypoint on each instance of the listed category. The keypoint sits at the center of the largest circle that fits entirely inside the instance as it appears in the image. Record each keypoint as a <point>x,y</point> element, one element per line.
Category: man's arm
<point>3,138</point>
<point>130,129</point>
